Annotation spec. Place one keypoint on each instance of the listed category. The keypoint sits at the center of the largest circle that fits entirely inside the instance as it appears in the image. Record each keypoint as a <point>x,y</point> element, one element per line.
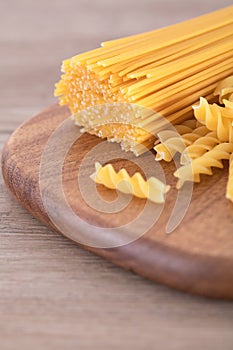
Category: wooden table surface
<point>54,295</point>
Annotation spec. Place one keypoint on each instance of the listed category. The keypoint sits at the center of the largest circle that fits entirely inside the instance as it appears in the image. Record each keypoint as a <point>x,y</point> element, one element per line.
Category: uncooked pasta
<point>164,71</point>
<point>203,164</point>
<point>224,89</point>
<point>202,145</point>
<point>187,126</point>
<point>152,189</point>
<point>200,150</point>
<point>216,118</point>
<point>172,143</point>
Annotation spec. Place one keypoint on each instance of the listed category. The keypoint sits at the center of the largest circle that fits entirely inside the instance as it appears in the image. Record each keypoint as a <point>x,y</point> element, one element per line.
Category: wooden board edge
<point>130,256</point>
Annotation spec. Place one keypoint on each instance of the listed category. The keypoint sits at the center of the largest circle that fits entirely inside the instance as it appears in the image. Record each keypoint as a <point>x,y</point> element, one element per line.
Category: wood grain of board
<point>196,257</point>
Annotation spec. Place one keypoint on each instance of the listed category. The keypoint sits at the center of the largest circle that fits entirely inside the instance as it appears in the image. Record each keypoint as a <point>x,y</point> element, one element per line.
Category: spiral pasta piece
<point>152,189</point>
<point>172,142</point>
<point>224,89</point>
<point>199,147</point>
<point>203,164</point>
<point>229,192</point>
<point>216,118</point>
<point>229,106</point>
<point>187,126</point>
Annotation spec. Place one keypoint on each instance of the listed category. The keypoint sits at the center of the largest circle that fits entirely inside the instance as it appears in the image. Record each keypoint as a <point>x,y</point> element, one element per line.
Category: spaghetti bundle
<point>163,71</point>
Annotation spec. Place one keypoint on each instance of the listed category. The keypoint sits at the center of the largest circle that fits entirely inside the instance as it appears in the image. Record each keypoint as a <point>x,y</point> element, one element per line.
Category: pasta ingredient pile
<point>201,147</point>
<point>163,71</point>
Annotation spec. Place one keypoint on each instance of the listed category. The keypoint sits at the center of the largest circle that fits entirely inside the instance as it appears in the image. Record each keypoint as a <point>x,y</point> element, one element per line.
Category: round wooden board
<point>196,257</point>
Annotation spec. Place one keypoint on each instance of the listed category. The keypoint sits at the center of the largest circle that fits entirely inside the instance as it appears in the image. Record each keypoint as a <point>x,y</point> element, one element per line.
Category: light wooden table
<point>54,295</point>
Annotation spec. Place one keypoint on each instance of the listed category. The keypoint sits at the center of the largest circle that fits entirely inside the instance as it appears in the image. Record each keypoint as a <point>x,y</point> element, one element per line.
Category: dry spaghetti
<point>165,71</point>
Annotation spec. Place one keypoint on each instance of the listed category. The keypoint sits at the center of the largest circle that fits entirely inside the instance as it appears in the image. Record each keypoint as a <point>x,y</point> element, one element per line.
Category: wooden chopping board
<point>196,256</point>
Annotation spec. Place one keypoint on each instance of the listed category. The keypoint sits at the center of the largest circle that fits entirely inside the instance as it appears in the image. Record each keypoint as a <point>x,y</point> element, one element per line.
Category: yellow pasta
<point>152,189</point>
<point>202,145</point>
<point>216,118</point>
<point>203,164</point>
<point>229,192</point>
<point>187,126</point>
<point>183,128</point>
<point>163,71</point>
<point>172,143</point>
<point>224,89</point>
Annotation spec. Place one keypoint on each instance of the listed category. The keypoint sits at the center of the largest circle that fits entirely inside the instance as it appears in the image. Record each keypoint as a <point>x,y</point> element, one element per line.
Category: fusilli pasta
<point>199,147</point>
<point>171,142</point>
<point>229,192</point>
<point>187,126</point>
<point>152,189</point>
<point>203,164</point>
<point>216,118</point>
<point>224,89</point>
